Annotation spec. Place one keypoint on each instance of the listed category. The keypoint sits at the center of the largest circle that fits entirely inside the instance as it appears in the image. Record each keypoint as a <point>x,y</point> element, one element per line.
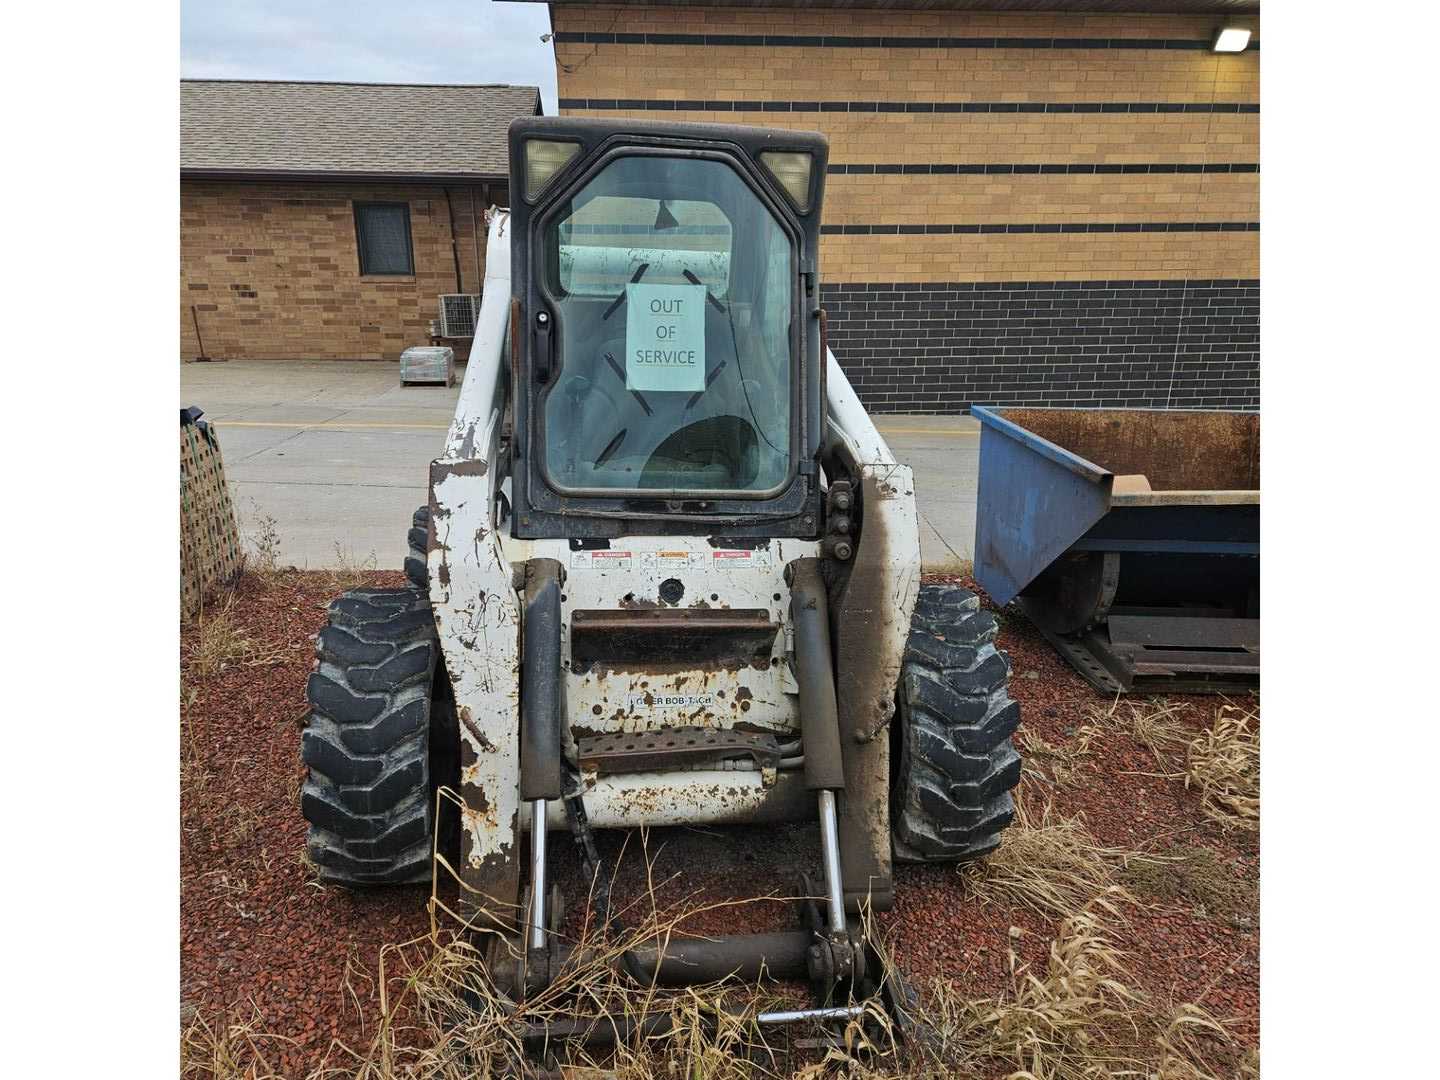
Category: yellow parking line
<point>337,424</point>
<point>947,432</point>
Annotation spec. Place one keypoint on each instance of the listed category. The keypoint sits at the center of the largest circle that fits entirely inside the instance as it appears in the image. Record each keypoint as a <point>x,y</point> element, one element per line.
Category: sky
<point>409,41</point>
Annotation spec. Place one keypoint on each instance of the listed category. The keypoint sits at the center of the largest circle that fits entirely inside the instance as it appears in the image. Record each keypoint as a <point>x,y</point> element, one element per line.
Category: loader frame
<point>481,554</point>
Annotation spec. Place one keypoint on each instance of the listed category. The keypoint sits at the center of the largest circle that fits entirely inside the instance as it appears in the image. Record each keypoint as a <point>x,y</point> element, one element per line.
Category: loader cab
<point>665,329</point>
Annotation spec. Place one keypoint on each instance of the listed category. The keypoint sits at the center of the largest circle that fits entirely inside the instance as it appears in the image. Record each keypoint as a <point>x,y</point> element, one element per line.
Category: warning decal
<point>600,560</point>
<point>739,560</point>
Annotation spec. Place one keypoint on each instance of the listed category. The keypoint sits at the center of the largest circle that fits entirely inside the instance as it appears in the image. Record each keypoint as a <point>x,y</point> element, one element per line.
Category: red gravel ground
<point>259,937</point>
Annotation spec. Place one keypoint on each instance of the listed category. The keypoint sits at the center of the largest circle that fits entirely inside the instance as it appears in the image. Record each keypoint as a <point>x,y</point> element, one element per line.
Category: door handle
<point>544,351</point>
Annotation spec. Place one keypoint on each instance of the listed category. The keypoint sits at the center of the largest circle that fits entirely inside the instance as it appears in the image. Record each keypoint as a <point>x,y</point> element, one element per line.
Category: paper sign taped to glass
<point>665,337</point>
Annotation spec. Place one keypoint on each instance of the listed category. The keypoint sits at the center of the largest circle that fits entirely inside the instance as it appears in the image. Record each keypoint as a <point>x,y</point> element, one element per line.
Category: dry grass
<point>263,557</point>
<point>439,1016</point>
<point>1080,1019</point>
<point>235,1047</point>
<point>219,642</point>
<point>1201,879</point>
<point>1057,763</point>
<point>1223,764</point>
<point>348,571</point>
<point>432,1010</point>
<point>1221,761</point>
<point>1049,864</point>
<point>1055,1023</point>
<point>1156,725</point>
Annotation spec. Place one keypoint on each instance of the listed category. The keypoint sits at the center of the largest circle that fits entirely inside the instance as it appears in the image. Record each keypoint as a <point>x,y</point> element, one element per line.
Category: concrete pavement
<point>334,456</point>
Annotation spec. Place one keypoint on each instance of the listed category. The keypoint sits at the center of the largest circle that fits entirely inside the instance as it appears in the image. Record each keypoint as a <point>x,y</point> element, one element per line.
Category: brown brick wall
<point>909,76</point>
<point>274,274</point>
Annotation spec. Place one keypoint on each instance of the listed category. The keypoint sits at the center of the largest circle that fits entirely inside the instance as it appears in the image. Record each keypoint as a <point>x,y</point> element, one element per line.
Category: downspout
<point>454,246</point>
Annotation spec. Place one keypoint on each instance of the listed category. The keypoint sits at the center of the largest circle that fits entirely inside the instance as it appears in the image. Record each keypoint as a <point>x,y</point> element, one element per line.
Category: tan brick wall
<point>1024,138</point>
<point>804,73</point>
<point>808,73</point>
<point>274,274</point>
<point>1031,199</point>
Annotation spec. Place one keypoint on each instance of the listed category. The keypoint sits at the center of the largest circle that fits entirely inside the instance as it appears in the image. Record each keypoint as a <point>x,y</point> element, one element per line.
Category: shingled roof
<point>353,131</point>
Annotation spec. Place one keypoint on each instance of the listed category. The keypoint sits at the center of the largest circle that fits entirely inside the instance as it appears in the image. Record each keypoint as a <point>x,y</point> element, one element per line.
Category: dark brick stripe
<point>827,41</point>
<point>1050,227</point>
<point>944,346</point>
<point>697,105</point>
<point>940,169</point>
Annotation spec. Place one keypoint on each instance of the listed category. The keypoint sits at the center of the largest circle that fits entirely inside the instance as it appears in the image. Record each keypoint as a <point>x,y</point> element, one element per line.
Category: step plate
<point>669,748</point>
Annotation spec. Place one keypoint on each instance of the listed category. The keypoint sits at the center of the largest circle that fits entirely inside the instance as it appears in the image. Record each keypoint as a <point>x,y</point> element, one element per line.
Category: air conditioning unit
<point>457,315</point>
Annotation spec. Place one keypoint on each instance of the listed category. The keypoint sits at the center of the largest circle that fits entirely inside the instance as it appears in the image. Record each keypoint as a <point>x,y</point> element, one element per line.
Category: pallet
<point>210,552</point>
<point>1138,651</point>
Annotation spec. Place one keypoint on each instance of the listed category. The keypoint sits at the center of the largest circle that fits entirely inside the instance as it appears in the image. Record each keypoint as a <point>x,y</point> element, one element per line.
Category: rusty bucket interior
<point>1172,450</point>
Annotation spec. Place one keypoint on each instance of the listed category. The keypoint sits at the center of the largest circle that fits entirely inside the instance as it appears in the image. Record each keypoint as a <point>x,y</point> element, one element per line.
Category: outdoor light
<point>1231,39</point>
<point>792,169</point>
<point>543,159</point>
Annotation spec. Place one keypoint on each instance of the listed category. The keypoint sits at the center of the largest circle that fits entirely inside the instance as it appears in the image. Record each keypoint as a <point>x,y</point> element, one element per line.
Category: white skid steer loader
<point>669,573</point>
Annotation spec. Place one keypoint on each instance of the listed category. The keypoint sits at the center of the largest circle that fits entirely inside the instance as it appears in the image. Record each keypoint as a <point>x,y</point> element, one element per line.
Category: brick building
<point>1052,203</point>
<point>325,219</point>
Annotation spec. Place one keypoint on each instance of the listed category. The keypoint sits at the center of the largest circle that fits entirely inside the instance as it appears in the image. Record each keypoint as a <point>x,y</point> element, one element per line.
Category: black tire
<point>955,764</point>
<point>416,566</point>
<point>369,793</point>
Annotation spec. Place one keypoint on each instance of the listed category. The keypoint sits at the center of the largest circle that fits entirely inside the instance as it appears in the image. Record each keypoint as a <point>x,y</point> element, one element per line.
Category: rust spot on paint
<point>475,732</point>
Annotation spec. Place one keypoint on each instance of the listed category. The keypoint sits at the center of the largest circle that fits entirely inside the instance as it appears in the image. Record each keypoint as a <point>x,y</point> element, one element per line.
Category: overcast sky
<point>404,41</point>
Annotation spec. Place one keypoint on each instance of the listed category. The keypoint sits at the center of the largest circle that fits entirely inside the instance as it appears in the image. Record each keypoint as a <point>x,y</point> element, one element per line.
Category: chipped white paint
<point>477,609</point>
<point>702,797</point>
<point>889,490</point>
<point>478,612</point>
<point>600,700</point>
<point>481,392</point>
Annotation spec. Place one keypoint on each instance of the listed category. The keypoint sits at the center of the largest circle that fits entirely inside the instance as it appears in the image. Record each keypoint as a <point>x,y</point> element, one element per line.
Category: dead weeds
<point>219,642</point>
<point>1082,1018</point>
<point>1057,763</point>
<point>1047,863</point>
<point>1220,761</point>
<point>1223,764</point>
<point>1199,878</point>
<point>348,571</point>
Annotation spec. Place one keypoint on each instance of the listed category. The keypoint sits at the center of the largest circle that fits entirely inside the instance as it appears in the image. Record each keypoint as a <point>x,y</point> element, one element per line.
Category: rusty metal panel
<point>709,637</point>
<point>703,797</point>
<point>755,691</point>
<point>1172,449</point>
<point>674,748</point>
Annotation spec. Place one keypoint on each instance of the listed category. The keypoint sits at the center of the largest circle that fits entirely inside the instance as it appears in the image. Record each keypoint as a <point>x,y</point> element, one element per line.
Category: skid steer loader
<point>669,574</point>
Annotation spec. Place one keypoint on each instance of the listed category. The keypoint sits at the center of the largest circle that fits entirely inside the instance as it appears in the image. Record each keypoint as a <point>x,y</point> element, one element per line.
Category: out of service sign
<point>664,337</point>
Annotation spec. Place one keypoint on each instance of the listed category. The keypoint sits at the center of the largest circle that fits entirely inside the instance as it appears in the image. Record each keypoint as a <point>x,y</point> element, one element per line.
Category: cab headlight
<point>791,169</point>
<point>543,159</point>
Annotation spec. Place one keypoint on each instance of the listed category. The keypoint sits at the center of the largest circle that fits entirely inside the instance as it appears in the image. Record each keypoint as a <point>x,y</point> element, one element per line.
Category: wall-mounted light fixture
<point>1230,39</point>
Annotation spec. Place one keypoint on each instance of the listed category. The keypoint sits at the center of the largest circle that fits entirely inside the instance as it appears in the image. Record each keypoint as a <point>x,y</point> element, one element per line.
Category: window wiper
<point>713,374</point>
<point>614,304</point>
<point>708,294</point>
<point>610,448</point>
<point>620,373</point>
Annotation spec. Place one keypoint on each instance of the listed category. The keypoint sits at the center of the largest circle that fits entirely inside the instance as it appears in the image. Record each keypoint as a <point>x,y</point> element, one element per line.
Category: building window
<point>382,233</point>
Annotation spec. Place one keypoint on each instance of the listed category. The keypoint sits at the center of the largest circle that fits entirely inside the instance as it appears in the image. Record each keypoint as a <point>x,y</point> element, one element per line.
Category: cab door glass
<point>674,294</point>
